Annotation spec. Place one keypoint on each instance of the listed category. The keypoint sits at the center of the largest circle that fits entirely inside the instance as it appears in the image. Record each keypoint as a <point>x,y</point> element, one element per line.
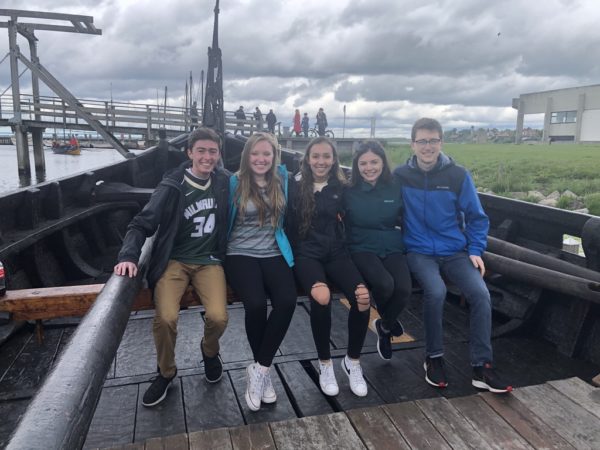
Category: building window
<point>564,117</point>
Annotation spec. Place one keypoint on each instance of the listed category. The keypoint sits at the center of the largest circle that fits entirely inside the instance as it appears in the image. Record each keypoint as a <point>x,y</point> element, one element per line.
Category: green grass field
<point>506,168</point>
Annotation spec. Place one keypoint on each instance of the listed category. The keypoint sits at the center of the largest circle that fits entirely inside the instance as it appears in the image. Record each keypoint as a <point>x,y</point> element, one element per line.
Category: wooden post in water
<point>36,133</point>
<point>17,125</point>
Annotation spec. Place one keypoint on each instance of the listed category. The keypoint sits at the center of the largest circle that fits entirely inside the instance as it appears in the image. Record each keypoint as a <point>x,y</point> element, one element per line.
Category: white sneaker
<point>269,395</point>
<point>255,381</point>
<point>327,379</point>
<point>358,385</point>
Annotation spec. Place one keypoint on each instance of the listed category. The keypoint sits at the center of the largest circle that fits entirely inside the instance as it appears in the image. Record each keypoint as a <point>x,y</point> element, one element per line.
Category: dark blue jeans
<point>458,270</point>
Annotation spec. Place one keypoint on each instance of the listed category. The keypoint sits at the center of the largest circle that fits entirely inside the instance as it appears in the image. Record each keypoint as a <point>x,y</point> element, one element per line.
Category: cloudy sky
<point>461,61</point>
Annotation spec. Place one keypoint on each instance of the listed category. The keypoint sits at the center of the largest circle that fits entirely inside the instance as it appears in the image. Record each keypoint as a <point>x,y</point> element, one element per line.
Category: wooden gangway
<point>562,414</point>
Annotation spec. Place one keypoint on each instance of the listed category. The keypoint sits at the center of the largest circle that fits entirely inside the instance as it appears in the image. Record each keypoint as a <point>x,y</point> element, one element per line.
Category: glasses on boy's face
<point>424,142</point>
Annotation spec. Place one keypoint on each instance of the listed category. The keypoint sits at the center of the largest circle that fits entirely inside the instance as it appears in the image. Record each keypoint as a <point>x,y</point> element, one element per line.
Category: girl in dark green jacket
<point>373,207</point>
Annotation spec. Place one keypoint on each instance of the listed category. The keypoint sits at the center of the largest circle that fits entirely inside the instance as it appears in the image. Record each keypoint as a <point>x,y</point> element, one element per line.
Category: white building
<point>571,114</point>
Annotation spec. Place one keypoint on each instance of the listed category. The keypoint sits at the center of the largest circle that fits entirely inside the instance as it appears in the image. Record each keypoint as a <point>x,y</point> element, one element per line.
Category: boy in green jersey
<point>188,213</point>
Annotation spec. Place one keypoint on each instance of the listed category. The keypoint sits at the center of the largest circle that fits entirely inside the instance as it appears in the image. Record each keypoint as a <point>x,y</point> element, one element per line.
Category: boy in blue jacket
<point>445,232</point>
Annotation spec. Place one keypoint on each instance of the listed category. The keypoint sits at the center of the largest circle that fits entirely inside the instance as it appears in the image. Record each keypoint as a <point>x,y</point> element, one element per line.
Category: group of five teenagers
<point>188,213</point>
<point>317,235</point>
<point>259,258</point>
<point>373,206</point>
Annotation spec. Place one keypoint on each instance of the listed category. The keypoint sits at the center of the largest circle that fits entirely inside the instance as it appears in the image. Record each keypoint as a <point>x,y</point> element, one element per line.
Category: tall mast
<point>212,113</point>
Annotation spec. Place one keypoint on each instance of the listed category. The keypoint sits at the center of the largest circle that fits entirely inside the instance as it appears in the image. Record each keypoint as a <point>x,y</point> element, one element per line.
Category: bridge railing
<point>120,116</point>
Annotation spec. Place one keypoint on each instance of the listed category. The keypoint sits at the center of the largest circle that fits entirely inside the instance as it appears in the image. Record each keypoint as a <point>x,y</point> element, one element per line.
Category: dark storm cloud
<point>377,56</point>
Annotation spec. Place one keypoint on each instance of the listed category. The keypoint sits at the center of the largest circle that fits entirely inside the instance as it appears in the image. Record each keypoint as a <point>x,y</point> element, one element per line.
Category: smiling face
<point>260,158</point>
<point>427,153</point>
<point>370,167</point>
<point>321,160</point>
<point>205,155</point>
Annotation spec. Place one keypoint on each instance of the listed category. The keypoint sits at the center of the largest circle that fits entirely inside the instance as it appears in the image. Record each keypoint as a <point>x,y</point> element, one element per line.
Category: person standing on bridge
<point>297,123</point>
<point>241,116</point>
<point>259,258</point>
<point>271,121</point>
<point>305,125</point>
<point>321,122</point>
<point>445,232</point>
<point>188,213</point>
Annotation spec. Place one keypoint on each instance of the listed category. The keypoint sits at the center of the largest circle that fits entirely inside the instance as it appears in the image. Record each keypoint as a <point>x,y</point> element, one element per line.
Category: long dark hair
<point>306,197</point>
<point>377,149</point>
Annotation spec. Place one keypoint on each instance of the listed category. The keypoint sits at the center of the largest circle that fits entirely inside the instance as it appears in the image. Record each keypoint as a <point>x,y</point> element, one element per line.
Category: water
<point>57,166</point>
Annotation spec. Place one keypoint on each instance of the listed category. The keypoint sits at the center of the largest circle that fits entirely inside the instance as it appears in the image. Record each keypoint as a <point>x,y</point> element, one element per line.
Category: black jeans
<point>389,281</point>
<point>343,273</point>
<point>255,279</point>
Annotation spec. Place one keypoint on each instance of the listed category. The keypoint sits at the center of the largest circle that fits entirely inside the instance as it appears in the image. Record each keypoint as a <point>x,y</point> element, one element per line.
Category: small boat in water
<point>72,148</point>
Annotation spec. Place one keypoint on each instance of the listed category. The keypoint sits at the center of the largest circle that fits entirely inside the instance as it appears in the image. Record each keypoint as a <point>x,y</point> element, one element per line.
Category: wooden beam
<point>72,301</point>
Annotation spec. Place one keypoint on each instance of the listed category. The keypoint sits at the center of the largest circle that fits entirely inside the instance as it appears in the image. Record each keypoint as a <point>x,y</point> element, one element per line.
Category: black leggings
<point>343,273</point>
<point>389,281</point>
<point>255,279</point>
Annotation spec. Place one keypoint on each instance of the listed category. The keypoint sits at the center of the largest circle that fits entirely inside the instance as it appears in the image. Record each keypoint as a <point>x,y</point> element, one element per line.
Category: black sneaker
<point>397,329</point>
<point>434,372</point>
<point>384,341</point>
<point>157,391</point>
<point>484,377</point>
<point>213,366</point>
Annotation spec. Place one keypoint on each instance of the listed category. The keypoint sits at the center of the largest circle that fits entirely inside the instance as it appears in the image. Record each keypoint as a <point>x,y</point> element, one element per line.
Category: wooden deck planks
<point>299,338</point>
<point>315,433</point>
<point>305,393</point>
<point>114,420</point>
<point>30,366</point>
<point>175,442</point>
<point>414,426</point>
<point>346,399</point>
<point>376,429</point>
<point>497,433</point>
<point>526,423</point>
<point>255,437</point>
<point>218,438</point>
<point>394,380</point>
<point>234,343</point>
<point>210,405</point>
<point>575,424</point>
<point>480,421</point>
<point>282,409</point>
<point>580,392</point>
<point>453,427</point>
<point>164,419</point>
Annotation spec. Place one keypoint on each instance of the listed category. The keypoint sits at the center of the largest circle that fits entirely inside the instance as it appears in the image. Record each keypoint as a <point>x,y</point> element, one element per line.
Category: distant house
<point>571,114</point>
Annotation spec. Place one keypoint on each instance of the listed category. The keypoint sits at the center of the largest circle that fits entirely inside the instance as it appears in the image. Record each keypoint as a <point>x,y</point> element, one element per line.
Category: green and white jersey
<point>197,237</point>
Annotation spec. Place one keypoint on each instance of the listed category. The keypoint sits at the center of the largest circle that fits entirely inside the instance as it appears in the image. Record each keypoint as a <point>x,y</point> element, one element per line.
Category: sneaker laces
<point>257,379</point>
<point>327,374</point>
<point>356,375</point>
<point>268,384</point>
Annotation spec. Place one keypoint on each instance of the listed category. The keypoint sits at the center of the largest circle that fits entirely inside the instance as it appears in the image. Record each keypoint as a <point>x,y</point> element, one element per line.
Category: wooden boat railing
<point>61,412</point>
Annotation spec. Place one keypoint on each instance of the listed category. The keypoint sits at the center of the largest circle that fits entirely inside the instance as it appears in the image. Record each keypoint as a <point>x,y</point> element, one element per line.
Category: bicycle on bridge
<point>314,132</point>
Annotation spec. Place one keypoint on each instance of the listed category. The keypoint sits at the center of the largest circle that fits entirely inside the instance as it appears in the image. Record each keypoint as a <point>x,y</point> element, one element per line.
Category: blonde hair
<point>248,190</point>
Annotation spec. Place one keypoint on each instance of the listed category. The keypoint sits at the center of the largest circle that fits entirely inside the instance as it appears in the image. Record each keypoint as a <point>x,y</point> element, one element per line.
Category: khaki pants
<point>209,283</point>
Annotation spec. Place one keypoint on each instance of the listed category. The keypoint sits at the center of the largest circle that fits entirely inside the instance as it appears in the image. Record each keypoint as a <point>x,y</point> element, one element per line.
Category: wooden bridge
<point>52,113</point>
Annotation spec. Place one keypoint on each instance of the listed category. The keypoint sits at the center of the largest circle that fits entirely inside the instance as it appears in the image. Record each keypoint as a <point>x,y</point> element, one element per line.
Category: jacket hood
<point>442,162</point>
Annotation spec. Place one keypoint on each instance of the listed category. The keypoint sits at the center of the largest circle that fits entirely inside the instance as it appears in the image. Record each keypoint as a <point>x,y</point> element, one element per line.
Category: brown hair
<point>247,188</point>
